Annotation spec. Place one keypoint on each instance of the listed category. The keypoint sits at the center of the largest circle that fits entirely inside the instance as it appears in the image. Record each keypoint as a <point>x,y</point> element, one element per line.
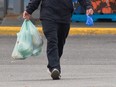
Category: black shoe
<point>55,74</point>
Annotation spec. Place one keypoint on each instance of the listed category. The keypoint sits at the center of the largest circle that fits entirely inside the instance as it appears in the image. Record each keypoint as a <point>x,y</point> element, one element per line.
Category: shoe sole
<point>55,75</point>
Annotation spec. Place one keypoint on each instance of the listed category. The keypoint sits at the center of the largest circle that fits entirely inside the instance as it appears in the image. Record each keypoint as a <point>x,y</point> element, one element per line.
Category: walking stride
<point>55,16</point>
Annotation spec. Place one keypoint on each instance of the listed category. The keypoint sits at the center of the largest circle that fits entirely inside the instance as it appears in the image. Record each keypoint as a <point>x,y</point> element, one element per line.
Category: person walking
<point>55,16</point>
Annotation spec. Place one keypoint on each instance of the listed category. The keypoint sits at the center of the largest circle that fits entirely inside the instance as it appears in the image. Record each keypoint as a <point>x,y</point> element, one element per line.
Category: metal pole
<point>3,8</point>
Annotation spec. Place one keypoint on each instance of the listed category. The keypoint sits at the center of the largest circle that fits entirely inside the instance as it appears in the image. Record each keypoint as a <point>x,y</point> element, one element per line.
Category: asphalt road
<point>88,61</point>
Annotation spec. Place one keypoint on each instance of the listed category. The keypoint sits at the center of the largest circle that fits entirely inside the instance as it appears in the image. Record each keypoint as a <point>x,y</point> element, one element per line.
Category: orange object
<point>113,1</point>
<point>104,6</point>
<point>106,10</point>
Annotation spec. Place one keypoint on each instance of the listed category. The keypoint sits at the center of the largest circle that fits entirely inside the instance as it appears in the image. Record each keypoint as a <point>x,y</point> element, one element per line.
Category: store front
<point>12,6</point>
<point>3,8</point>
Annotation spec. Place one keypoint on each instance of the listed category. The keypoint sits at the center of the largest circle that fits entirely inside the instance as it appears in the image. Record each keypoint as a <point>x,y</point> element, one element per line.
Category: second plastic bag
<point>89,21</point>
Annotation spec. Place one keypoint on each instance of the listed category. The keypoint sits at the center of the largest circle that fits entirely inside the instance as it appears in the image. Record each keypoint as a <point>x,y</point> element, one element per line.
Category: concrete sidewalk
<point>36,76</point>
<point>88,61</point>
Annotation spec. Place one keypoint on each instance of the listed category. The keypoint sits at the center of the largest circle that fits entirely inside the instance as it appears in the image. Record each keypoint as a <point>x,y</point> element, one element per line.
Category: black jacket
<point>56,10</point>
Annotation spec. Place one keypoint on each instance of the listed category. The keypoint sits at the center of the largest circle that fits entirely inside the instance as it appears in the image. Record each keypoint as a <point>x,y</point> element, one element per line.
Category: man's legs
<point>56,34</point>
<point>62,35</point>
<point>50,29</point>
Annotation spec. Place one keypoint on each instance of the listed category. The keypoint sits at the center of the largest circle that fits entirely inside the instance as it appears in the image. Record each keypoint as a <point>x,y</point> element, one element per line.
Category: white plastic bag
<point>29,42</point>
<point>24,45</point>
<point>16,54</point>
<point>36,39</point>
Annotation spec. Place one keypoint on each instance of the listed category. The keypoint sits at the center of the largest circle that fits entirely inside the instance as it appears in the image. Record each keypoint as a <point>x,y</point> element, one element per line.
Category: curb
<point>11,30</point>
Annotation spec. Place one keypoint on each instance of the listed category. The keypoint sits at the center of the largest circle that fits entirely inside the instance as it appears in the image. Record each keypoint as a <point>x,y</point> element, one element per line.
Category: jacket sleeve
<point>86,4</point>
<point>32,6</point>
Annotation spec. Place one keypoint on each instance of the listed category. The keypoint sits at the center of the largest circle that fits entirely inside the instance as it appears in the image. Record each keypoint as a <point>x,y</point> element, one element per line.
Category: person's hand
<point>89,11</point>
<point>26,15</point>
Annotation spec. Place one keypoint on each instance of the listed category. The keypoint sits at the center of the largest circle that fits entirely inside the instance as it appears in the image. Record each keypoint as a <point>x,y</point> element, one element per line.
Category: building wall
<point>3,8</point>
<point>12,6</point>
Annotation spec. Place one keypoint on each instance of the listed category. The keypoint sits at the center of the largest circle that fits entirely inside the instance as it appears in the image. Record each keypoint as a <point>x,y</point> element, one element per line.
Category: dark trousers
<point>56,34</point>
